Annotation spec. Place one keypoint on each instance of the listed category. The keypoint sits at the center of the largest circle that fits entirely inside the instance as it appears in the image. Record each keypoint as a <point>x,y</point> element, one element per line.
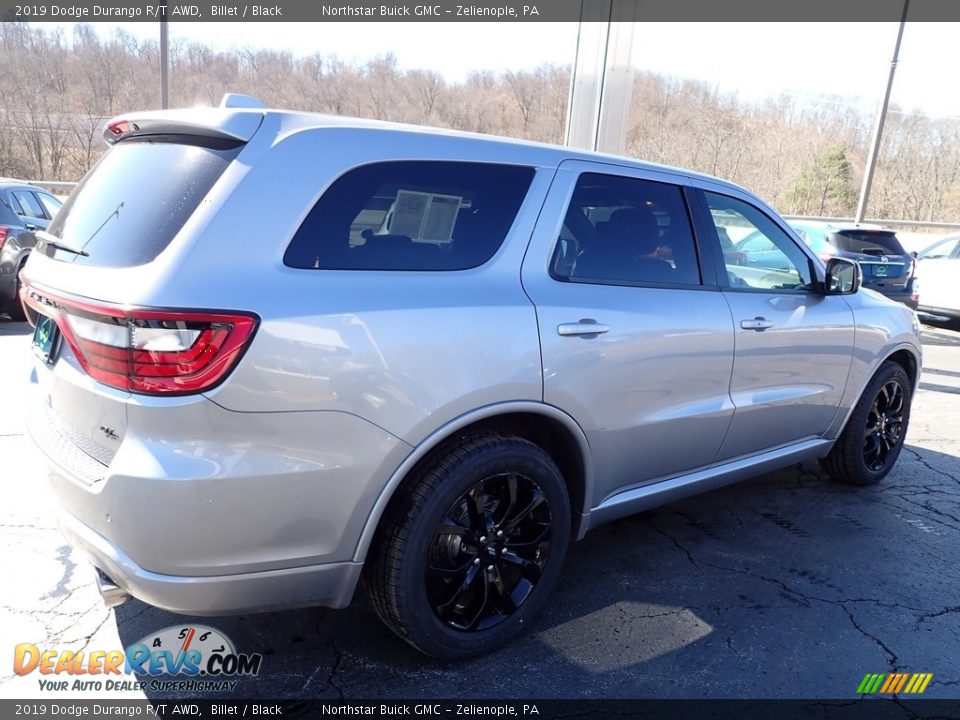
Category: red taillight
<point>152,352</point>
<point>4,231</point>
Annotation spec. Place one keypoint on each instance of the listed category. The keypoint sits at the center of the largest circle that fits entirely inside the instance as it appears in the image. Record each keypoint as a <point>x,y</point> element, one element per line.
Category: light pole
<point>164,61</point>
<point>878,127</point>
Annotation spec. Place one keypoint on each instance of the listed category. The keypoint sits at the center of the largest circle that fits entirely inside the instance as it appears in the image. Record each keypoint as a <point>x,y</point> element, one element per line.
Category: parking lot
<point>788,585</point>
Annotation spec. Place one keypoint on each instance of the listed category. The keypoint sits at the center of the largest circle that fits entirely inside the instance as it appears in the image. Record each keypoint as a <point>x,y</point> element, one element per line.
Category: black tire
<point>873,438</point>
<point>14,308</point>
<point>426,583</point>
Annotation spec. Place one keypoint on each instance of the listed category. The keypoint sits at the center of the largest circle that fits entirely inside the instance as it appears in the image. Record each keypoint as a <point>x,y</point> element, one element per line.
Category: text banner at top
<point>852,11</point>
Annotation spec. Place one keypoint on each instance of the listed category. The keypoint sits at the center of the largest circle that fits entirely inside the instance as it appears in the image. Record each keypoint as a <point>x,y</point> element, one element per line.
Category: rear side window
<point>411,216</point>
<point>870,242</point>
<point>136,199</point>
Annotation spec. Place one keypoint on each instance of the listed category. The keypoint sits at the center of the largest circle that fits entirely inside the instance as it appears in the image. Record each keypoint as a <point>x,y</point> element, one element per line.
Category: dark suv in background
<point>887,267</point>
<point>23,210</point>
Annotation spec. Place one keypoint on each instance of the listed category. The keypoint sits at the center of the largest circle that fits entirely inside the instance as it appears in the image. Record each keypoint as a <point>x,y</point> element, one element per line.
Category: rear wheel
<point>15,308</point>
<point>472,548</point>
<point>873,438</point>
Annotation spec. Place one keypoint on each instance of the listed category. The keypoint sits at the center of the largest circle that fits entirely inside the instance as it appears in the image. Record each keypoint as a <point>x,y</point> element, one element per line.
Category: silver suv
<point>280,353</point>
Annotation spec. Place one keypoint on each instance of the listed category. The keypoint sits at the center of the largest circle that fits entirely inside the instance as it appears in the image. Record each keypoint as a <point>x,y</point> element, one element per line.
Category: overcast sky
<point>755,60</point>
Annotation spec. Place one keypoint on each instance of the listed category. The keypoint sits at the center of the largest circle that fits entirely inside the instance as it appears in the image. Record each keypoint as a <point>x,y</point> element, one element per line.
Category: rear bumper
<point>953,313</point>
<point>210,512</point>
<point>329,585</point>
<point>907,297</point>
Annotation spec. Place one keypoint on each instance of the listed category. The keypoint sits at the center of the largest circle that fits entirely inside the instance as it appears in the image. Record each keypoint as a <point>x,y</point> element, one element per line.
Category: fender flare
<point>429,443</point>
<point>837,428</point>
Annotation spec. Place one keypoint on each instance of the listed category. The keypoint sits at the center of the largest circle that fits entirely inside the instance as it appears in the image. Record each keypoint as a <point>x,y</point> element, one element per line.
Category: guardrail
<point>52,183</point>
<point>903,223</point>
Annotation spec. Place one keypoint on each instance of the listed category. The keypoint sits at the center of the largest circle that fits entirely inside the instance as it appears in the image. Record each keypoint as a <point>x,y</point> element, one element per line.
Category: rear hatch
<point>96,345</point>
<point>883,259</point>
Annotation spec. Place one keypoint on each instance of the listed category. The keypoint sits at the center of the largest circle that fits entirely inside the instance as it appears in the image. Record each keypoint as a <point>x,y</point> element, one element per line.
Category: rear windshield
<point>135,200</point>
<point>870,242</point>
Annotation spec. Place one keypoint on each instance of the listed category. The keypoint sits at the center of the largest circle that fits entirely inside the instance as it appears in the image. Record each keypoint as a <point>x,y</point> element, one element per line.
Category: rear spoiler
<point>237,119</point>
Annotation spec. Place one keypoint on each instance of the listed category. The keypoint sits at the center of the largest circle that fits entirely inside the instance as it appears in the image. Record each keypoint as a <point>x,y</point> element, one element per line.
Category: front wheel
<point>873,438</point>
<point>472,548</point>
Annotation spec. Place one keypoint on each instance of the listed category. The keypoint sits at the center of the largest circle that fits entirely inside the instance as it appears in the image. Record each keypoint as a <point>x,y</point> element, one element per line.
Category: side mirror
<point>914,253</point>
<point>844,277</point>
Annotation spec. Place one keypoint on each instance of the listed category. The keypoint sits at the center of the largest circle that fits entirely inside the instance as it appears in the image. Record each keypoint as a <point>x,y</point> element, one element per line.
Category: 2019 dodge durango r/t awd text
<point>279,355</point>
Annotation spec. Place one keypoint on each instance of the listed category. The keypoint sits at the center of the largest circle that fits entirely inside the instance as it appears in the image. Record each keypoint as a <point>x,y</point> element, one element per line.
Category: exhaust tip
<point>112,594</point>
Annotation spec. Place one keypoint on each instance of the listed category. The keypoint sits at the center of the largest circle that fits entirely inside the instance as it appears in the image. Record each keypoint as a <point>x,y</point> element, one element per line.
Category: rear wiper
<point>55,242</point>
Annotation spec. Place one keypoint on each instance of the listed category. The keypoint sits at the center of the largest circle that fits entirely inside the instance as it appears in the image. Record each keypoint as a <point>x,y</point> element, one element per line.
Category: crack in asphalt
<point>808,599</point>
<point>891,656</point>
<point>946,611</point>
<point>677,544</point>
<point>927,465</point>
<point>335,668</point>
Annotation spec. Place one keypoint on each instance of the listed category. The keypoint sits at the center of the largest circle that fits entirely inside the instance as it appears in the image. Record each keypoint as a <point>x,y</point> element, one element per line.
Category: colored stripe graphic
<point>891,681</point>
<point>894,683</point>
<point>865,683</point>
<point>902,680</point>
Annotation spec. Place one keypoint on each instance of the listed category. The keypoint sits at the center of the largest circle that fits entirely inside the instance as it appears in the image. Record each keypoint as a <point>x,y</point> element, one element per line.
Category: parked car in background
<point>758,250</point>
<point>939,269</point>
<point>24,209</point>
<point>887,266</point>
<point>536,341</point>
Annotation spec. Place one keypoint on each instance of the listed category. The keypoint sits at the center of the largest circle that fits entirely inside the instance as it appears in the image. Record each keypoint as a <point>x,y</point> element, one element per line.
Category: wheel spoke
<point>479,615</point>
<point>511,498</point>
<point>506,600</point>
<point>449,527</point>
<point>464,587</point>
<point>541,536</point>
<point>528,568</point>
<point>449,573</point>
<point>536,501</point>
<point>476,511</point>
<point>896,406</point>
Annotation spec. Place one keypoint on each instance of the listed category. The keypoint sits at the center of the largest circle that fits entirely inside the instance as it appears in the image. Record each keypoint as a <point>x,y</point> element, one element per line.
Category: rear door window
<point>626,231</point>
<point>137,198</point>
<point>30,207</point>
<point>411,216</point>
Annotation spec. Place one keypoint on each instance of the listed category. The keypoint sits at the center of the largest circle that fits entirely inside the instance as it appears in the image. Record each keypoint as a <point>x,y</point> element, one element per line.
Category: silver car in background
<point>281,353</point>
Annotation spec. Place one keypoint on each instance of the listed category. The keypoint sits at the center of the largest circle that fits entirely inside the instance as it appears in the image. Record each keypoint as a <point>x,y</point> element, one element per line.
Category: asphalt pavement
<point>785,586</point>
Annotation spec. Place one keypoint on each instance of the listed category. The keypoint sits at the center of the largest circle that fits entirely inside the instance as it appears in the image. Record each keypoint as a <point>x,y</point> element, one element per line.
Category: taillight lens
<point>152,352</point>
<point>4,231</point>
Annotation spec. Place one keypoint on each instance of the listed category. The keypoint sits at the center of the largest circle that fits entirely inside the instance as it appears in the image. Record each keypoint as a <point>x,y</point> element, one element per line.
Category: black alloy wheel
<point>871,442</point>
<point>471,546</point>
<point>883,430</point>
<point>489,551</point>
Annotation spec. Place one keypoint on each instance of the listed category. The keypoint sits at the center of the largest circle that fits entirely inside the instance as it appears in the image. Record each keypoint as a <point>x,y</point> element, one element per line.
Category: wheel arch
<point>544,425</point>
<point>904,354</point>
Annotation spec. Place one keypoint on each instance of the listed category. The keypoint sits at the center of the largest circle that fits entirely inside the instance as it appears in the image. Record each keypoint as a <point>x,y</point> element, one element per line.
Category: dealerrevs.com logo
<point>202,654</point>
